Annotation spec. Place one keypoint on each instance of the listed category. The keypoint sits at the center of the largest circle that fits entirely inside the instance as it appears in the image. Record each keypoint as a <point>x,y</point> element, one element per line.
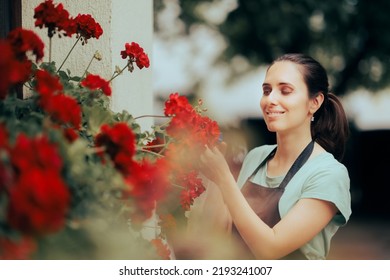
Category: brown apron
<point>264,201</point>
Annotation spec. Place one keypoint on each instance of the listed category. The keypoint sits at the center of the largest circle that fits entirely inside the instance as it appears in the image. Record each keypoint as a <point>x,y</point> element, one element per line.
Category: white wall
<point>122,21</point>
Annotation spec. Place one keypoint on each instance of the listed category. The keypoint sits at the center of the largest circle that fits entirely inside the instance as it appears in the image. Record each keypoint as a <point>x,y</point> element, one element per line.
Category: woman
<point>290,198</point>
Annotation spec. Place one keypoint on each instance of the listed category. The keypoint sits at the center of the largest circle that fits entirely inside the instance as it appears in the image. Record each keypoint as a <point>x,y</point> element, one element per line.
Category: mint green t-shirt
<point>321,177</point>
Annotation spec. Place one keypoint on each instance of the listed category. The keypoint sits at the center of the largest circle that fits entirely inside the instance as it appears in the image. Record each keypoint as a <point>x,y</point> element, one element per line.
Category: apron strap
<point>298,163</point>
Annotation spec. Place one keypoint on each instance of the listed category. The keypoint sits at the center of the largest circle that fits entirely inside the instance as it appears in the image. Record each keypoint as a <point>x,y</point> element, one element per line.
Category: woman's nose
<point>272,97</point>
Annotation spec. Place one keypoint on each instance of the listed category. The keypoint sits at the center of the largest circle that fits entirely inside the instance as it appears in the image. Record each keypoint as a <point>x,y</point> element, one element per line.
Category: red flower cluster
<point>95,82</point>
<point>23,40</point>
<point>190,132</point>
<point>16,249</point>
<point>135,54</point>
<point>119,144</point>
<point>186,121</point>
<point>15,68</point>
<point>194,188</point>
<point>57,19</point>
<point>62,108</point>
<point>147,184</point>
<point>87,27</point>
<point>177,104</point>
<point>147,181</point>
<point>38,198</point>
<point>46,84</point>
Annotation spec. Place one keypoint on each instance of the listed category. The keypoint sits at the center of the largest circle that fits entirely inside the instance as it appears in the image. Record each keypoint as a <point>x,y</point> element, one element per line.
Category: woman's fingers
<point>222,147</point>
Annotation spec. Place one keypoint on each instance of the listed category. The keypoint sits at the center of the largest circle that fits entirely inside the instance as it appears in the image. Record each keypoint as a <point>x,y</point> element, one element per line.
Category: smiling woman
<point>290,198</point>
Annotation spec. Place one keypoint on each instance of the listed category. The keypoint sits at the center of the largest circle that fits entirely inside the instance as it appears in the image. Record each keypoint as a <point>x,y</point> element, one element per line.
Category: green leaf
<point>49,66</point>
<point>96,117</point>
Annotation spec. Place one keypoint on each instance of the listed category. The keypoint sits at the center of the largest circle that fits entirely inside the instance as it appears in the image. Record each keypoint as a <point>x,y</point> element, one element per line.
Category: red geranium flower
<point>132,51</point>
<point>148,183</point>
<point>55,18</point>
<point>143,61</point>
<point>87,27</point>
<point>47,84</point>
<point>38,202</point>
<point>95,82</point>
<point>70,134</point>
<point>207,131</point>
<point>35,153</point>
<point>156,145</point>
<point>135,54</point>
<point>62,108</point>
<point>38,198</point>
<point>119,141</point>
<point>177,104</point>
<point>189,126</point>
<point>23,40</point>
<point>193,188</point>
<point>17,249</point>
<point>12,71</point>
<point>181,126</point>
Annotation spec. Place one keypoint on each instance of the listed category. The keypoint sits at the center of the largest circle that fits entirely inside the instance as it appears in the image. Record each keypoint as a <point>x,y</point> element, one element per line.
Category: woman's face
<point>285,102</point>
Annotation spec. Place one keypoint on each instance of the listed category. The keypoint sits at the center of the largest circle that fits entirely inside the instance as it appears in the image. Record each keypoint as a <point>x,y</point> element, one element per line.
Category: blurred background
<point>217,50</point>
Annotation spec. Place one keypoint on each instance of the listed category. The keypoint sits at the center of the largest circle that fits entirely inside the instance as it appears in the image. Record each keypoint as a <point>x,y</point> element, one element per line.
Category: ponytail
<point>330,126</point>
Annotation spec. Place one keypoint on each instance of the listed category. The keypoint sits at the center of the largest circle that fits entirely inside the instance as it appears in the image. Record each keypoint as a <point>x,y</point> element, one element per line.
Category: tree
<point>349,37</point>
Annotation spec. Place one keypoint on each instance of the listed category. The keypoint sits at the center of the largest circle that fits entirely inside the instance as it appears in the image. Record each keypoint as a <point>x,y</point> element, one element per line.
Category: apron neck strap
<point>298,163</point>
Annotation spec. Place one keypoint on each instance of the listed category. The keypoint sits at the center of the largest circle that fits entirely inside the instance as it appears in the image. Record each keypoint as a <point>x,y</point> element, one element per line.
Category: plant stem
<point>178,186</point>
<point>50,49</point>
<point>78,39</point>
<point>28,86</point>
<point>150,116</point>
<point>155,146</point>
<point>120,72</point>
<point>150,152</point>
<point>85,72</point>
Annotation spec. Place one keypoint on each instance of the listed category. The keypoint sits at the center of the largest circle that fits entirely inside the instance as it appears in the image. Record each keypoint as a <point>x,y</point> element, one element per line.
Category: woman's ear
<point>316,102</point>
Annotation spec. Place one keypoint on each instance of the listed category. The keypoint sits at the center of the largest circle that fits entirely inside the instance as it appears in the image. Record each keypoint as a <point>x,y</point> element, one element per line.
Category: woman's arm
<point>209,212</point>
<point>306,219</point>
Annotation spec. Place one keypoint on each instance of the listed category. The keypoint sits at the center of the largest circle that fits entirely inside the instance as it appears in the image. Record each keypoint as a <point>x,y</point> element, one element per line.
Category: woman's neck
<point>289,148</point>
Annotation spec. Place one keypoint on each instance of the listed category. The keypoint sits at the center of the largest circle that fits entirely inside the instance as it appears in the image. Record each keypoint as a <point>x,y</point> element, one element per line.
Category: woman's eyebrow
<point>279,84</point>
<point>285,84</point>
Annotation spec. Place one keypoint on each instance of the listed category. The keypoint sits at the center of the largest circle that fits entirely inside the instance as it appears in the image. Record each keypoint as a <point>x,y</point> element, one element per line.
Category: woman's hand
<point>213,163</point>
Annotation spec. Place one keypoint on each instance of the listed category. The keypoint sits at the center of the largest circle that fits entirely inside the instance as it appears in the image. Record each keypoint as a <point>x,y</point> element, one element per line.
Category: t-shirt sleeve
<point>331,184</point>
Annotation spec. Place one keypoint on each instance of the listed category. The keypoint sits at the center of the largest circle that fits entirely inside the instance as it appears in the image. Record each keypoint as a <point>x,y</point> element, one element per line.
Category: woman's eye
<point>266,91</point>
<point>286,90</point>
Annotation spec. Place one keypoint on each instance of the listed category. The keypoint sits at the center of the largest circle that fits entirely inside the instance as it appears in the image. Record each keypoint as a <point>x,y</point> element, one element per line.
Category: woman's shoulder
<point>252,160</point>
<point>324,170</point>
<point>327,161</point>
<point>260,152</point>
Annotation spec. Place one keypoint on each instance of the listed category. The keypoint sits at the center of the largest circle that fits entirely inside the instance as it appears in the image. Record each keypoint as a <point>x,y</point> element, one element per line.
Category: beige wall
<point>122,21</point>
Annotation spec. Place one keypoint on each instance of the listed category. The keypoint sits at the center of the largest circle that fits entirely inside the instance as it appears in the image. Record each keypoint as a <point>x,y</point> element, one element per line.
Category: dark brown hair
<point>330,125</point>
